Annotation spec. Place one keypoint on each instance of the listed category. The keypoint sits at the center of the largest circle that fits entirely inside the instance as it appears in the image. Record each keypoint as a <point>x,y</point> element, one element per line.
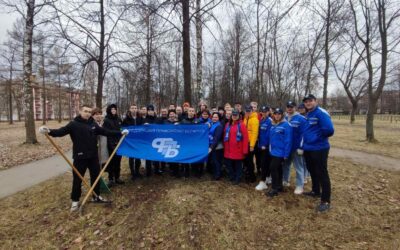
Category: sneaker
<point>312,194</point>
<point>268,180</point>
<point>74,206</point>
<point>272,193</point>
<point>323,207</point>
<point>261,186</point>
<point>298,190</point>
<point>286,184</point>
<point>100,199</point>
<point>119,181</point>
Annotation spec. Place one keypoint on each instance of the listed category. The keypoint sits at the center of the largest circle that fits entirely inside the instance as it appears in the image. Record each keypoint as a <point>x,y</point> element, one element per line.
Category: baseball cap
<point>278,111</point>
<point>309,97</point>
<point>264,108</point>
<point>248,108</point>
<point>291,104</point>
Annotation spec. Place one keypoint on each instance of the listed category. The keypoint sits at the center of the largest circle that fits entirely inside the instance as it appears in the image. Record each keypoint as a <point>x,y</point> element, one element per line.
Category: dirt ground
<point>167,213</point>
<point>353,137</point>
<point>14,152</point>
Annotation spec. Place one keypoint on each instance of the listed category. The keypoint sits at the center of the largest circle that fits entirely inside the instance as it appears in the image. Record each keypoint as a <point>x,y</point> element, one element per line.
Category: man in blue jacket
<point>316,149</point>
<point>263,147</point>
<point>280,146</point>
<point>297,122</point>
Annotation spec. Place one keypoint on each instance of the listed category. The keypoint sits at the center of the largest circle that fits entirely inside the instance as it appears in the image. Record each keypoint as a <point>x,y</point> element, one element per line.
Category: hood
<point>108,110</point>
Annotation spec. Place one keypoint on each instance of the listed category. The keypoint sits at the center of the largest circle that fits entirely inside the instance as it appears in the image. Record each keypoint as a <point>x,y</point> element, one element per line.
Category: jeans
<point>317,164</point>
<point>299,166</point>
<point>235,169</point>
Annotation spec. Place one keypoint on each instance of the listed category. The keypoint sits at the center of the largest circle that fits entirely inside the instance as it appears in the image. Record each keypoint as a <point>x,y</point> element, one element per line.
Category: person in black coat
<point>151,118</point>
<point>113,122</point>
<point>83,131</point>
<point>133,118</point>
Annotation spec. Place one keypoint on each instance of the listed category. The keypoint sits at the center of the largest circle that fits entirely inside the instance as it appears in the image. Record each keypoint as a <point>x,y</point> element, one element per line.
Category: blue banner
<point>166,143</point>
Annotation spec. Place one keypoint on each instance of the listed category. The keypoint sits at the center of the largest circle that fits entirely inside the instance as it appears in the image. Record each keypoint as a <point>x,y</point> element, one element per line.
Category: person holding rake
<point>83,131</point>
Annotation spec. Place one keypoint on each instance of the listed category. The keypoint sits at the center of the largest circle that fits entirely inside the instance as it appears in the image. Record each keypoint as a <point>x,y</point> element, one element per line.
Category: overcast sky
<point>6,21</point>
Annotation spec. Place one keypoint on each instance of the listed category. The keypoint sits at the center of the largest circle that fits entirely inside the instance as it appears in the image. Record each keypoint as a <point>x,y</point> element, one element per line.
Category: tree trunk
<point>187,85</point>
<point>327,56</point>
<point>59,93</point>
<point>199,51</point>
<point>354,106</point>
<point>10,106</point>
<point>27,81</point>
<point>148,60</point>
<point>44,108</point>
<point>100,60</point>
<point>370,121</point>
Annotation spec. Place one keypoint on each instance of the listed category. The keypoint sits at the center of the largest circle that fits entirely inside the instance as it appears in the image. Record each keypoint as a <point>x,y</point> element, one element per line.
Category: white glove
<point>209,150</point>
<point>44,130</point>
<point>263,148</point>
<point>125,132</point>
<point>300,151</point>
<point>176,123</point>
<point>146,123</point>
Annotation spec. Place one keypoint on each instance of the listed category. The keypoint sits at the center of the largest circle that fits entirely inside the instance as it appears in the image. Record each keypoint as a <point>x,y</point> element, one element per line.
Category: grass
<point>14,152</point>
<point>166,213</point>
<point>353,137</point>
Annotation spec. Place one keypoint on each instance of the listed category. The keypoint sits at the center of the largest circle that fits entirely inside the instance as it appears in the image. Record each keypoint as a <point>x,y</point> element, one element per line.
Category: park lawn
<point>14,152</point>
<point>353,137</point>
<point>168,213</point>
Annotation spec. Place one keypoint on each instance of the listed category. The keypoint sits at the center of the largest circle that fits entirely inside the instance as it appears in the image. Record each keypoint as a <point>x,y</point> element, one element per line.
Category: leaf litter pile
<point>167,213</point>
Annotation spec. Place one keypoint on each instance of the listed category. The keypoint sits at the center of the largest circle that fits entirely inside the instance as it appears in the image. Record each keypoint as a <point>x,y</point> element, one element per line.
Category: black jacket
<point>131,121</point>
<point>83,134</point>
<point>112,122</point>
<point>150,119</point>
<point>189,121</point>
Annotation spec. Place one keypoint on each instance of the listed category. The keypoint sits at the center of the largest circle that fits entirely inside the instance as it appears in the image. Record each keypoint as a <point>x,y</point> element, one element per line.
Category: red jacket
<point>233,149</point>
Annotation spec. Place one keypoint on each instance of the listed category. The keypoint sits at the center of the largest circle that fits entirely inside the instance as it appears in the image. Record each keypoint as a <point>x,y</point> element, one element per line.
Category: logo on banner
<point>166,146</point>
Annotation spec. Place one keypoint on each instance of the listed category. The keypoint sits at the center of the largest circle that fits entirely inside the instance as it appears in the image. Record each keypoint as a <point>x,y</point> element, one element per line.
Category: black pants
<point>276,167</point>
<point>175,169</point>
<point>317,165</point>
<point>134,166</point>
<point>186,169</point>
<point>149,168</point>
<point>257,153</point>
<point>114,168</point>
<point>94,170</point>
<point>235,169</point>
<point>249,167</point>
<point>265,160</point>
<point>198,168</point>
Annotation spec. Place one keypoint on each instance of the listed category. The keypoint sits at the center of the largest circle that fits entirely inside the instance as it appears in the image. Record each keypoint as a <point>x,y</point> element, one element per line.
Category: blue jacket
<point>318,128</point>
<point>263,132</point>
<point>215,134</point>
<point>280,139</point>
<point>298,123</point>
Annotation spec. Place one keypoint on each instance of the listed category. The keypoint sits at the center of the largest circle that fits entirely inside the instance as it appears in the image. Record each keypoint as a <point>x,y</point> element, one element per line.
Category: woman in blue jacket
<point>215,145</point>
<point>280,147</point>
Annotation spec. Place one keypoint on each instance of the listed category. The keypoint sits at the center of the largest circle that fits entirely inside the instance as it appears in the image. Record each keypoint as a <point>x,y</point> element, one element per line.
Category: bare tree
<point>374,14</point>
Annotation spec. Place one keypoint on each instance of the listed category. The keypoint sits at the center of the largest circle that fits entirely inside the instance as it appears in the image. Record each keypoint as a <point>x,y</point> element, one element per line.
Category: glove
<point>263,148</point>
<point>125,132</point>
<point>209,150</point>
<point>176,123</point>
<point>146,123</point>
<point>44,130</point>
<point>300,151</point>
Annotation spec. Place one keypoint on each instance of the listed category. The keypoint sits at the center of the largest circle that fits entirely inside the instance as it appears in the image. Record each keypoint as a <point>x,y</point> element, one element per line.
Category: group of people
<point>245,142</point>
